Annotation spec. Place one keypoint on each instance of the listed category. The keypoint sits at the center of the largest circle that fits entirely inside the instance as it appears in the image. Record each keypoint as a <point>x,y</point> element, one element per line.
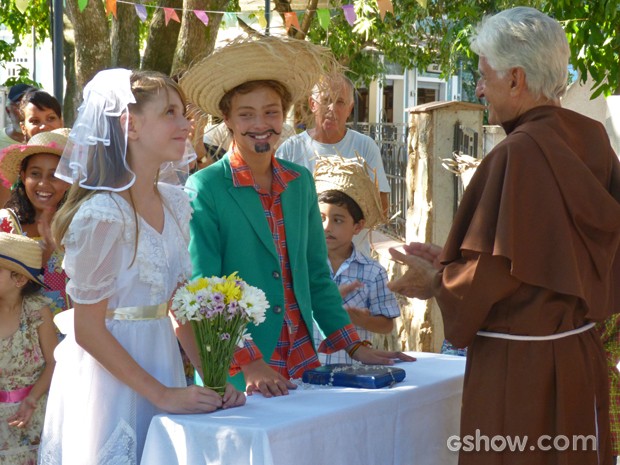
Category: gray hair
<point>334,83</point>
<point>525,38</point>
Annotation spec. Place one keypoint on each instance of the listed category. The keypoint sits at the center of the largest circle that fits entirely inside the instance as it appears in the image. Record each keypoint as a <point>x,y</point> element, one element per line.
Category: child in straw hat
<point>35,197</point>
<point>27,343</point>
<point>258,216</point>
<point>349,201</point>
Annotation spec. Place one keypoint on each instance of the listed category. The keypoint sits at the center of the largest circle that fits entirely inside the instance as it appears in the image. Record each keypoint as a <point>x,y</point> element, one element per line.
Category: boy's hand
<point>372,356</point>
<point>359,316</point>
<point>346,288</point>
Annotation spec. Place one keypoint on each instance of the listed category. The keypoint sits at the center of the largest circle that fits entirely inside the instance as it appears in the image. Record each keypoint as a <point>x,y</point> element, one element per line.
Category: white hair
<point>525,38</point>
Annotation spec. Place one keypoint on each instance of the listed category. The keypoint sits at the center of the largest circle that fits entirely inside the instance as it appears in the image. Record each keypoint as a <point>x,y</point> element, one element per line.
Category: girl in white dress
<point>125,237</point>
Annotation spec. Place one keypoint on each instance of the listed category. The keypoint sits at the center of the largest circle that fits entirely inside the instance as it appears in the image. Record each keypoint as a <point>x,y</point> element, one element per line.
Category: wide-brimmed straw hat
<point>351,176</point>
<point>52,142</point>
<point>296,64</point>
<point>23,255</point>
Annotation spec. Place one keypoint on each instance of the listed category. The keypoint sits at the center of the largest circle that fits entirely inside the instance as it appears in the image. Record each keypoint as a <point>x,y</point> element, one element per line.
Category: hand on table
<point>232,397</point>
<point>191,399</point>
<point>372,356</point>
<point>260,377</point>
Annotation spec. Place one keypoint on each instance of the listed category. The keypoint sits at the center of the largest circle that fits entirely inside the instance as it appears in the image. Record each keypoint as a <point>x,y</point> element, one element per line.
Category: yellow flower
<point>197,285</point>
<point>229,288</point>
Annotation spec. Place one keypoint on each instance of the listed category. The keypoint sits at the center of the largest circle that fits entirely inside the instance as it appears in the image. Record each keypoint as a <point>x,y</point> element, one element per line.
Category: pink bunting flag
<point>140,11</point>
<point>290,19</point>
<point>384,7</point>
<point>349,14</point>
<point>169,14</point>
<point>202,16</point>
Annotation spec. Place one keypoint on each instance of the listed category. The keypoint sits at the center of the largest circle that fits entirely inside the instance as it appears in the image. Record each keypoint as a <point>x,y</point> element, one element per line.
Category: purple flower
<point>224,336</point>
<point>217,297</point>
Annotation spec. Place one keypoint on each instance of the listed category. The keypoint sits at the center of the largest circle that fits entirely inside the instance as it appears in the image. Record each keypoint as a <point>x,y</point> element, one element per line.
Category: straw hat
<point>52,142</point>
<point>23,255</point>
<point>296,64</point>
<point>351,177</point>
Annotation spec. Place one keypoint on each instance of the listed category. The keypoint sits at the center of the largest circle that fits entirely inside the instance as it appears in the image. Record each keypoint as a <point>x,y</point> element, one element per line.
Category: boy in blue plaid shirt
<point>349,201</point>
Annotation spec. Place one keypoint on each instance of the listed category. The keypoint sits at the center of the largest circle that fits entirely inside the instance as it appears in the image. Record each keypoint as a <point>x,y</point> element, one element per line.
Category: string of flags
<point>290,18</point>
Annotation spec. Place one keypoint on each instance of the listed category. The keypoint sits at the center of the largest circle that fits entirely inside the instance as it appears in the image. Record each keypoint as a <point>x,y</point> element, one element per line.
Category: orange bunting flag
<point>290,19</point>
<point>385,6</point>
<point>110,7</point>
<point>202,16</point>
<point>169,14</point>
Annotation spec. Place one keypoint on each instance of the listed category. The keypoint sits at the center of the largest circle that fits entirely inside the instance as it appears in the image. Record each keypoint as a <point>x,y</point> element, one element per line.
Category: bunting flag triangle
<point>422,3</point>
<point>349,14</point>
<point>22,5</point>
<point>385,6</point>
<point>110,7</point>
<point>290,19</point>
<point>169,14</point>
<point>324,17</point>
<point>202,16</point>
<point>262,21</point>
<point>230,19</point>
<point>140,11</point>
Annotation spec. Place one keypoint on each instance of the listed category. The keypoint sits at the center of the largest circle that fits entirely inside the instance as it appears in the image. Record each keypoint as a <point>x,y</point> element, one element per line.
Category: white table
<point>407,424</point>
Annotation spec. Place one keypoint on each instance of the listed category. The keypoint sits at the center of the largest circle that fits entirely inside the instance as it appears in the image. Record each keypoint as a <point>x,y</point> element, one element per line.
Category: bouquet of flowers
<point>219,310</point>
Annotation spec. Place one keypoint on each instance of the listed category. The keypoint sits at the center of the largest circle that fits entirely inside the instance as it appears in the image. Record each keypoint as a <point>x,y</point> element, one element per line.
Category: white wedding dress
<point>92,418</point>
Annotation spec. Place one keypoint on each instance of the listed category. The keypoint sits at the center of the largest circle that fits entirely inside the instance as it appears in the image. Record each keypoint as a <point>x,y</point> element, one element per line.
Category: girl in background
<point>27,342</point>
<point>41,112</point>
<point>35,197</point>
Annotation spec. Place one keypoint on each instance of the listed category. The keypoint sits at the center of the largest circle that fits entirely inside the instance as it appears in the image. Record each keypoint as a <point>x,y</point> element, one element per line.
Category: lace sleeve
<point>93,252</point>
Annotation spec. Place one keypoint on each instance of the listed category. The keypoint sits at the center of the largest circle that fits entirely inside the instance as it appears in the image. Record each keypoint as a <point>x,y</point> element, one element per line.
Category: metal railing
<point>392,141</point>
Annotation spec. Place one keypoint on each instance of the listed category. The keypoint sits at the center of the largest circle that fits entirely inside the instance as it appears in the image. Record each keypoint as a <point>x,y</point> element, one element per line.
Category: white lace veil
<point>96,153</point>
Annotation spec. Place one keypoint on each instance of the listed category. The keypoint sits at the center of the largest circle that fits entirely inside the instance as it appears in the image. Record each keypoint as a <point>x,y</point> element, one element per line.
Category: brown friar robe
<point>532,252</point>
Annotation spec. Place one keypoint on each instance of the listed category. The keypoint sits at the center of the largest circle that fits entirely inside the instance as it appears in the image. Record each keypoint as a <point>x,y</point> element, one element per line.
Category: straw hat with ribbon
<point>296,64</point>
<point>351,177</point>
<point>52,142</point>
<point>23,255</point>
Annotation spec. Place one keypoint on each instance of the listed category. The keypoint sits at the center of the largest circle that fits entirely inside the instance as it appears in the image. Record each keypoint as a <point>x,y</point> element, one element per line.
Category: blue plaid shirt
<point>375,296</point>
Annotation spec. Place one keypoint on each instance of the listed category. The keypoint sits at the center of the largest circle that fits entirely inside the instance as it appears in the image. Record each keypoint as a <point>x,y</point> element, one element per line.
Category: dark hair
<point>339,198</point>
<point>42,100</point>
<point>225,104</point>
<point>30,287</point>
<point>19,201</point>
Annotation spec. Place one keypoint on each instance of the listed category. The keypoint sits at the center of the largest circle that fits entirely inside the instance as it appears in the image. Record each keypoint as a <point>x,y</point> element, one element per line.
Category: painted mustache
<point>268,131</point>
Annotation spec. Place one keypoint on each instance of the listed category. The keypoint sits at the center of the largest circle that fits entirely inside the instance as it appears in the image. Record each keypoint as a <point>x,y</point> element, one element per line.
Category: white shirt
<point>303,149</point>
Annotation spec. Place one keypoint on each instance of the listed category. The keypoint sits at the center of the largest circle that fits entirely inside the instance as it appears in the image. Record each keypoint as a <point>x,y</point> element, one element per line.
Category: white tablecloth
<point>407,424</point>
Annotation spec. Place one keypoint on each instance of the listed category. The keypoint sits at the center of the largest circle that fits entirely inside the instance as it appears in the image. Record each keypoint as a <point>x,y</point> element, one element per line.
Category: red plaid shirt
<point>294,352</point>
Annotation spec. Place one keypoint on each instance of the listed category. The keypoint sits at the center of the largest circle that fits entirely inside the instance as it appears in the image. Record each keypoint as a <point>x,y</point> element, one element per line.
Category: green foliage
<point>37,14</point>
<point>416,36</point>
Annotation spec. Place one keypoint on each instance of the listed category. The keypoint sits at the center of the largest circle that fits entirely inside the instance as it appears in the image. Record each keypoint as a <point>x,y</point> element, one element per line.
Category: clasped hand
<point>422,263</point>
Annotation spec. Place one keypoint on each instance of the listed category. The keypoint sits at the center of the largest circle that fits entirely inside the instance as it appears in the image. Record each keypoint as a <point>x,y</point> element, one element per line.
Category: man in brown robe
<point>529,263</point>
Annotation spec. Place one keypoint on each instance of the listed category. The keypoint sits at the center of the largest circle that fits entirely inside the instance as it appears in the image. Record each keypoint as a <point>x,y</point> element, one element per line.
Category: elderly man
<point>331,104</point>
<point>259,216</point>
<point>529,263</point>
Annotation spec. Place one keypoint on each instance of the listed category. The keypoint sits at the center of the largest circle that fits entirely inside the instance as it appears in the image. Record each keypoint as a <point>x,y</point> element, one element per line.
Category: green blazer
<point>229,232</point>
